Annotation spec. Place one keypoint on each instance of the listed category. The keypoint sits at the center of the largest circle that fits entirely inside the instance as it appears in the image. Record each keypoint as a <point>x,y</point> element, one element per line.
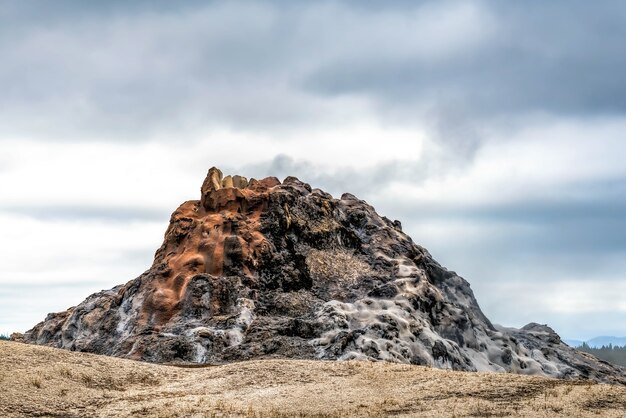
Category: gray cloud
<point>463,71</point>
<point>118,71</point>
<point>359,182</point>
<point>138,73</point>
<point>565,57</point>
<point>89,213</point>
<point>573,231</point>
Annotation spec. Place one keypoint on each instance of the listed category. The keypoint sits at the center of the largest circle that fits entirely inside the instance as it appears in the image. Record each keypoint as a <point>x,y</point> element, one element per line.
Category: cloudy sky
<point>495,131</point>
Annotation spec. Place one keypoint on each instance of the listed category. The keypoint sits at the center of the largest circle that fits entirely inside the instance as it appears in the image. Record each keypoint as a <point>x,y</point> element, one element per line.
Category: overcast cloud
<point>493,130</point>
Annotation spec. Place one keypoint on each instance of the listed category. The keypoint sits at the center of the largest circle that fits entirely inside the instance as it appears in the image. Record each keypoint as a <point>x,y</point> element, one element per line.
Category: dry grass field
<point>46,382</point>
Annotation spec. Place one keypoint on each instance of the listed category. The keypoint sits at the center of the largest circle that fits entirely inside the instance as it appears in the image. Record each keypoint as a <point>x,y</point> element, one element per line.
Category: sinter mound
<point>268,269</point>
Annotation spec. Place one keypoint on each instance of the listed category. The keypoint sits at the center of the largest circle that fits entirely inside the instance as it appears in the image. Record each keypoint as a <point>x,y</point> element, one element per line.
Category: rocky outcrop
<point>262,268</point>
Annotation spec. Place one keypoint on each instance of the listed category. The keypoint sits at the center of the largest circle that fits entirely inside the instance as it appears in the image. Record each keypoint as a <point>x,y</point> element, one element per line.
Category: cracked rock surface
<point>260,268</point>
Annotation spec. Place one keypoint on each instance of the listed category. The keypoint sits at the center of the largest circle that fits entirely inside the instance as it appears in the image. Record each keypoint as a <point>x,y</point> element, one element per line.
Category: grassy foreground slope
<point>41,381</point>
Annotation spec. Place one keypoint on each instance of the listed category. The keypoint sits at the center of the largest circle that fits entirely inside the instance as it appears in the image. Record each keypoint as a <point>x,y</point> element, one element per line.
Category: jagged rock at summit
<point>262,268</point>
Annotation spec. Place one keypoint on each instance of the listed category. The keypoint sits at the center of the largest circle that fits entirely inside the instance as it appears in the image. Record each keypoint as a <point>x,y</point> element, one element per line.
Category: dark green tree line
<point>615,355</point>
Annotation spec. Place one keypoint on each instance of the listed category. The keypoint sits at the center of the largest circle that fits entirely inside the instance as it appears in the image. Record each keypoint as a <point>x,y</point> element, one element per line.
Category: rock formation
<point>263,269</point>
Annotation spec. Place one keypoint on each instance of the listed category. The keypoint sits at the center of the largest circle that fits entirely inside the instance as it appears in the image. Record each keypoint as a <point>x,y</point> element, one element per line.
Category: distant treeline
<point>615,355</point>
<point>4,337</point>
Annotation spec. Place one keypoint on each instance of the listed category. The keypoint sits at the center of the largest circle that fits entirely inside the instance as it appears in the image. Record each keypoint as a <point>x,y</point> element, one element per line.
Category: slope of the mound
<point>42,381</point>
<point>268,269</point>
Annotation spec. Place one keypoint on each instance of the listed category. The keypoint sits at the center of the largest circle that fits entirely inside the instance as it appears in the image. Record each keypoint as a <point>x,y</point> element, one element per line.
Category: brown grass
<point>41,381</point>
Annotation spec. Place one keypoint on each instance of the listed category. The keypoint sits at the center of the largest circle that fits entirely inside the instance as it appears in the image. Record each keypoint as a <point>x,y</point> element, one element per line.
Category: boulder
<point>240,182</point>
<point>227,182</point>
